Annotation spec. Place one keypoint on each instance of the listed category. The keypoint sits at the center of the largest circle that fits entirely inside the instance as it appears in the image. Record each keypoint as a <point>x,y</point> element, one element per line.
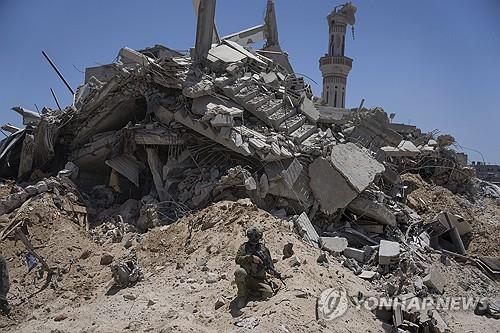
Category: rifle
<point>268,263</point>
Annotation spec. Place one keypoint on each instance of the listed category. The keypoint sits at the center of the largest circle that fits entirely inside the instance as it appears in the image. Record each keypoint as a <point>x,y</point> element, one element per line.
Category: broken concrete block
<point>329,187</point>
<point>306,229</point>
<point>373,210</point>
<point>367,275</point>
<point>356,254</point>
<point>309,110</point>
<point>282,186</point>
<point>444,221</point>
<point>388,253</point>
<point>336,181</point>
<point>134,56</point>
<point>397,315</point>
<point>434,280</point>
<point>333,244</point>
<point>463,227</point>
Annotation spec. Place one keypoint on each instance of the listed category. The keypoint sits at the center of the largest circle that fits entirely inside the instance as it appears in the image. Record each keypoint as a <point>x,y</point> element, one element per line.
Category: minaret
<point>335,66</point>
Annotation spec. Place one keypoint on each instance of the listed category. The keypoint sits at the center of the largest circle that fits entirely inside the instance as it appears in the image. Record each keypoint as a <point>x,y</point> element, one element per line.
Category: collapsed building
<point>158,134</point>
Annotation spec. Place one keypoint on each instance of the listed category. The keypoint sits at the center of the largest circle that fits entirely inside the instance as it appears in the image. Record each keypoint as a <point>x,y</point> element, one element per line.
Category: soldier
<point>254,260</point>
<point>4,286</point>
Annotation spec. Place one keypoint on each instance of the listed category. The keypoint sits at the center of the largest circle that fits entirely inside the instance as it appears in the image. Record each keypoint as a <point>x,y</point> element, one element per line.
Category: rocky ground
<point>188,272</point>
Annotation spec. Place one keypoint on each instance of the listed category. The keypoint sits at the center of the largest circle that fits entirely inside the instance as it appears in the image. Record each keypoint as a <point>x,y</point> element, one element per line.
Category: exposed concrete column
<point>205,28</point>
<point>271,27</point>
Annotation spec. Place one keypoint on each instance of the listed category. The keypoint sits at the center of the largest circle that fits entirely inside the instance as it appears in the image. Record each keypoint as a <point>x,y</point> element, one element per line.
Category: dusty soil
<point>188,267</point>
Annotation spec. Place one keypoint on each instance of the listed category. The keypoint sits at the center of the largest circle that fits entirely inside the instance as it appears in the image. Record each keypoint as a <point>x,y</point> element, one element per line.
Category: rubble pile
<point>151,139</point>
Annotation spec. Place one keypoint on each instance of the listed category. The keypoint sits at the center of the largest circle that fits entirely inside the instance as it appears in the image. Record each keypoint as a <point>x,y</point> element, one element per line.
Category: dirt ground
<point>188,268</point>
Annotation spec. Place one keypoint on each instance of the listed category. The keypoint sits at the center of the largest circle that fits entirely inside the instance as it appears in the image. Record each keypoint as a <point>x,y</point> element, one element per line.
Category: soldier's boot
<point>264,290</point>
<point>240,277</point>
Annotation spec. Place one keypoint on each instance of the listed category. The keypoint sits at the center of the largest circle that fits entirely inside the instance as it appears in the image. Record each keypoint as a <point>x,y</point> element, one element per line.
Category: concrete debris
<point>126,272</point>
<point>356,254</point>
<point>435,281</point>
<point>333,244</point>
<point>337,181</point>
<point>388,253</point>
<point>306,229</point>
<point>372,210</point>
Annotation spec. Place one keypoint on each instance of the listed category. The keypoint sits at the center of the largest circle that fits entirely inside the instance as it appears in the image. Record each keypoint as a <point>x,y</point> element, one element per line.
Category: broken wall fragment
<point>338,180</point>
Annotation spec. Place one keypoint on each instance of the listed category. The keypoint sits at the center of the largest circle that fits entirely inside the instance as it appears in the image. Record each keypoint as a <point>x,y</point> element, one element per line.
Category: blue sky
<point>436,64</point>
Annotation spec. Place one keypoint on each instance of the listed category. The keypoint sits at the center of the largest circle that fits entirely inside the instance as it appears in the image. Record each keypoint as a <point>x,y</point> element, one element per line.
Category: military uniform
<point>4,285</point>
<point>251,277</point>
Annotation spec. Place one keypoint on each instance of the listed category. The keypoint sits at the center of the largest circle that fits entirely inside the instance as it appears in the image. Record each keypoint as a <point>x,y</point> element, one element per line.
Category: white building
<point>335,66</point>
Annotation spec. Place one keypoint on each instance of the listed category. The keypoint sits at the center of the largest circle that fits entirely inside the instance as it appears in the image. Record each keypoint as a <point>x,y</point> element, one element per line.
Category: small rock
<point>179,265</point>
<point>288,250</point>
<point>85,254</point>
<point>130,297</point>
<point>212,278</point>
<point>106,259</point>
<point>322,259</point>
<point>151,302</point>
<point>249,323</point>
<point>127,242</point>
<point>201,262</point>
<point>60,317</point>
<point>294,262</point>
<point>219,303</point>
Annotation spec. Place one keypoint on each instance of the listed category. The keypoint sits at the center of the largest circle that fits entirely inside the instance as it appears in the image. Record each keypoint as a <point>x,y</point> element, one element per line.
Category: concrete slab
<point>333,244</point>
<point>435,280</point>
<point>356,165</point>
<point>329,187</point>
<point>373,210</point>
<point>309,110</point>
<point>367,275</point>
<point>356,254</point>
<point>337,181</point>
<point>306,229</point>
<point>388,253</point>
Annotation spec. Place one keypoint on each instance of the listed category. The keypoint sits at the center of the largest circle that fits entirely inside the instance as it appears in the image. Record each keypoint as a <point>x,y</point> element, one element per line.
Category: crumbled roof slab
<point>336,181</point>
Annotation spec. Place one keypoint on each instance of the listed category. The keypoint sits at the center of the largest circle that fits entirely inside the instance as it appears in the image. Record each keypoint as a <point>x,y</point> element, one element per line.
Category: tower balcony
<point>330,65</point>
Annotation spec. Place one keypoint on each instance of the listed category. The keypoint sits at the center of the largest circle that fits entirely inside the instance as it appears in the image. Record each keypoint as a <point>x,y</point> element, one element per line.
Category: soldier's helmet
<point>254,235</point>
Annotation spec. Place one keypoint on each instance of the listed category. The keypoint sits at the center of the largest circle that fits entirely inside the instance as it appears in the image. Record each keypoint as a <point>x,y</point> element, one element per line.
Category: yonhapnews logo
<point>331,303</point>
<point>334,303</point>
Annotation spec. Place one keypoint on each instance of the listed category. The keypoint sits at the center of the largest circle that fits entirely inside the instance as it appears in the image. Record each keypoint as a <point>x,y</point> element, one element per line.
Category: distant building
<point>335,66</point>
<point>488,172</point>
